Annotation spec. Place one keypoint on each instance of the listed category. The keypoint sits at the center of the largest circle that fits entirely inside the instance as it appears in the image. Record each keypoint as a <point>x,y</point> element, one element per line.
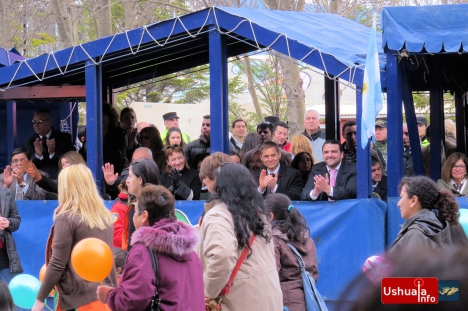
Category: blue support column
<point>218,92</point>
<point>11,127</point>
<point>436,102</point>
<point>394,124</point>
<point>364,173</point>
<point>93,76</point>
<point>415,143</point>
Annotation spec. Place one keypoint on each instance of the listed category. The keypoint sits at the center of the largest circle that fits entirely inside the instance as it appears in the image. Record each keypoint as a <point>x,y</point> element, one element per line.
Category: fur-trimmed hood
<point>168,236</point>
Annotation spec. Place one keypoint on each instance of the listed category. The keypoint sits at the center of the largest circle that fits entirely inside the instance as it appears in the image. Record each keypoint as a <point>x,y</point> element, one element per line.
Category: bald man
<point>113,179</point>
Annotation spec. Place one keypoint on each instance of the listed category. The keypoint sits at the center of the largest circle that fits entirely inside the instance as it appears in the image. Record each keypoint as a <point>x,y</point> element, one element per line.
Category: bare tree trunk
<point>103,18</point>
<point>292,82</point>
<point>130,15</point>
<point>252,91</point>
<point>5,27</point>
<point>63,23</point>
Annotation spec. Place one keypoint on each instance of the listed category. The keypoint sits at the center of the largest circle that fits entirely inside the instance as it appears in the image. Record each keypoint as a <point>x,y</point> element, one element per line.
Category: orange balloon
<point>92,259</point>
<point>42,275</point>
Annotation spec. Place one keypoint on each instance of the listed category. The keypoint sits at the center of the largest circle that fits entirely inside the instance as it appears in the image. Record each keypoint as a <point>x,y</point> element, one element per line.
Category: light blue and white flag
<point>371,91</point>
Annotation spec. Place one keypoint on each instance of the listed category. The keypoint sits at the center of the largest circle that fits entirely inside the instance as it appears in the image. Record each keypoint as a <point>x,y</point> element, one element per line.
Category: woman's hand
<point>38,306</point>
<point>102,292</point>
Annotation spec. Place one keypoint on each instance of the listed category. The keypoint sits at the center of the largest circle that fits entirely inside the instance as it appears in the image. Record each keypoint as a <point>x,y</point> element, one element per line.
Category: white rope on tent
<point>146,29</point>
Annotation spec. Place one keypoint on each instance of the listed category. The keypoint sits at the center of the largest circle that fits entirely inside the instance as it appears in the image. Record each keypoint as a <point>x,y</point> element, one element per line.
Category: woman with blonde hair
<point>81,214</point>
<point>300,143</point>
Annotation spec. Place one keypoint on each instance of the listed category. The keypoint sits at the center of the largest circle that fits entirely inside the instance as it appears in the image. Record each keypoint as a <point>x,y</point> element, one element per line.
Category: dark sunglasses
<point>38,121</point>
<point>264,132</point>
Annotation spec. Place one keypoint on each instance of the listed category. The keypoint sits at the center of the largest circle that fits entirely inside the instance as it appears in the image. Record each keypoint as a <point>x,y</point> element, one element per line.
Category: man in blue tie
<point>332,179</point>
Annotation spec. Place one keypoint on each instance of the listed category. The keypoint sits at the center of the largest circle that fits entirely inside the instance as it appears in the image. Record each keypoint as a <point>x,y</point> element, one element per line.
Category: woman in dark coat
<point>431,216</point>
<point>181,180</point>
<point>173,242</point>
<point>289,226</point>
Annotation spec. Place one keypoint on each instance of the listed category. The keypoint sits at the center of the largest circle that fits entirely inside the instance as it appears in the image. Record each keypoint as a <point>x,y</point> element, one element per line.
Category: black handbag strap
<point>154,306</point>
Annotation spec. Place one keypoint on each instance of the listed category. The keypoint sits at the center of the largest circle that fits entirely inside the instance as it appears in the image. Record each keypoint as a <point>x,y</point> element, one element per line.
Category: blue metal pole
<point>364,173</point>
<point>394,124</point>
<point>11,127</point>
<point>93,77</point>
<point>218,92</point>
<point>415,144</point>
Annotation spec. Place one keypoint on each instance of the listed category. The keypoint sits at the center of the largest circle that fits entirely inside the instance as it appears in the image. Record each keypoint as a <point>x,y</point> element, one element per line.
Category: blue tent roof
<point>325,41</point>
<point>438,28</point>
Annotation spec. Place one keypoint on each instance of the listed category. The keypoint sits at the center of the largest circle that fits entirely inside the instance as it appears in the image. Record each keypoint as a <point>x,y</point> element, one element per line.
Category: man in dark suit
<point>18,181</point>
<point>379,182</point>
<point>47,145</point>
<point>277,178</point>
<point>333,179</point>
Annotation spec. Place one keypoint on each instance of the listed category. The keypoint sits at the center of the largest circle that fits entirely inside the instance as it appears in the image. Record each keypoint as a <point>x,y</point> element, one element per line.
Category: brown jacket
<point>256,286</point>
<point>288,269</point>
<point>73,290</point>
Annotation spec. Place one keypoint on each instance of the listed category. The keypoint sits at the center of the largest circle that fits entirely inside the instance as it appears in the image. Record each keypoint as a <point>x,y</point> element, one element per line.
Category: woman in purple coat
<point>289,226</point>
<point>180,269</point>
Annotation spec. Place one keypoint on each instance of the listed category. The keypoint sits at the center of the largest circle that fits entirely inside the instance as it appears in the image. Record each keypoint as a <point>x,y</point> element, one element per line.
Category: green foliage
<point>40,39</point>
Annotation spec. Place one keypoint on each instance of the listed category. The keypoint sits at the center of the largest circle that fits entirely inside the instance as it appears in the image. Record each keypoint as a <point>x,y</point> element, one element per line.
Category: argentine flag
<point>371,90</point>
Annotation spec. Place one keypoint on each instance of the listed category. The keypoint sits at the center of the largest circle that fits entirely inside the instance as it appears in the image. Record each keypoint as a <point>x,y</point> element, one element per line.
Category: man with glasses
<point>201,146</point>
<point>18,181</point>
<point>47,145</point>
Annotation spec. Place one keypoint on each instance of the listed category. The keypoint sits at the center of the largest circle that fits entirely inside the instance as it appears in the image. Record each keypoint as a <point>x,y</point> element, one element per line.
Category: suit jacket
<point>34,192</point>
<point>345,185</point>
<point>63,144</point>
<point>289,182</point>
<point>381,189</point>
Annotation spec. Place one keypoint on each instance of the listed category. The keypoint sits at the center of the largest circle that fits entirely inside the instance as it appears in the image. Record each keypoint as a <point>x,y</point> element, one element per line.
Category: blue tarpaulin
<point>346,234</point>
<point>437,28</point>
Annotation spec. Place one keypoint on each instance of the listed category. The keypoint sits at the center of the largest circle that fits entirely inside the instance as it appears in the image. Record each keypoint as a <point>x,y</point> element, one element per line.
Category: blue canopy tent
<point>92,70</point>
<point>426,48</point>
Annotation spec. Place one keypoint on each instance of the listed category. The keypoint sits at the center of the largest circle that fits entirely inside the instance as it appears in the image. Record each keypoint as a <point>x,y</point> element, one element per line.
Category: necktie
<point>457,188</point>
<point>332,180</point>
<point>45,152</point>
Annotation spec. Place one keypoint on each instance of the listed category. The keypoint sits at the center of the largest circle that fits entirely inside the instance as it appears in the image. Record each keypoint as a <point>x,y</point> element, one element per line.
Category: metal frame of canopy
<point>208,36</point>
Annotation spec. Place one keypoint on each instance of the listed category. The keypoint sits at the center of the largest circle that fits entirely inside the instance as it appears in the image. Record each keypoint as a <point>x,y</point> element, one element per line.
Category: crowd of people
<point>248,210</point>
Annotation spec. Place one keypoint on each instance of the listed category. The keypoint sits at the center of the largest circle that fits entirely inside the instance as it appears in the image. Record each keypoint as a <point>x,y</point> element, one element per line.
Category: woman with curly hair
<point>236,219</point>
<point>431,216</point>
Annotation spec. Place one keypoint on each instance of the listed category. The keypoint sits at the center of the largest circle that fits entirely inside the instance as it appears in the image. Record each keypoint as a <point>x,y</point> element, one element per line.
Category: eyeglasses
<point>18,160</point>
<point>38,121</point>
<point>264,132</point>
<point>205,124</point>
<point>458,167</point>
<point>144,137</point>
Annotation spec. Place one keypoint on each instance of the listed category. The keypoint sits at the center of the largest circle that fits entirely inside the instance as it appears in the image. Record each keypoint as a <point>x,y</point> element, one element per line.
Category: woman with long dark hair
<point>289,226</point>
<point>303,162</point>
<point>431,216</point>
<point>174,137</point>
<point>151,138</point>
<point>236,213</point>
<point>140,173</point>
<point>128,122</point>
